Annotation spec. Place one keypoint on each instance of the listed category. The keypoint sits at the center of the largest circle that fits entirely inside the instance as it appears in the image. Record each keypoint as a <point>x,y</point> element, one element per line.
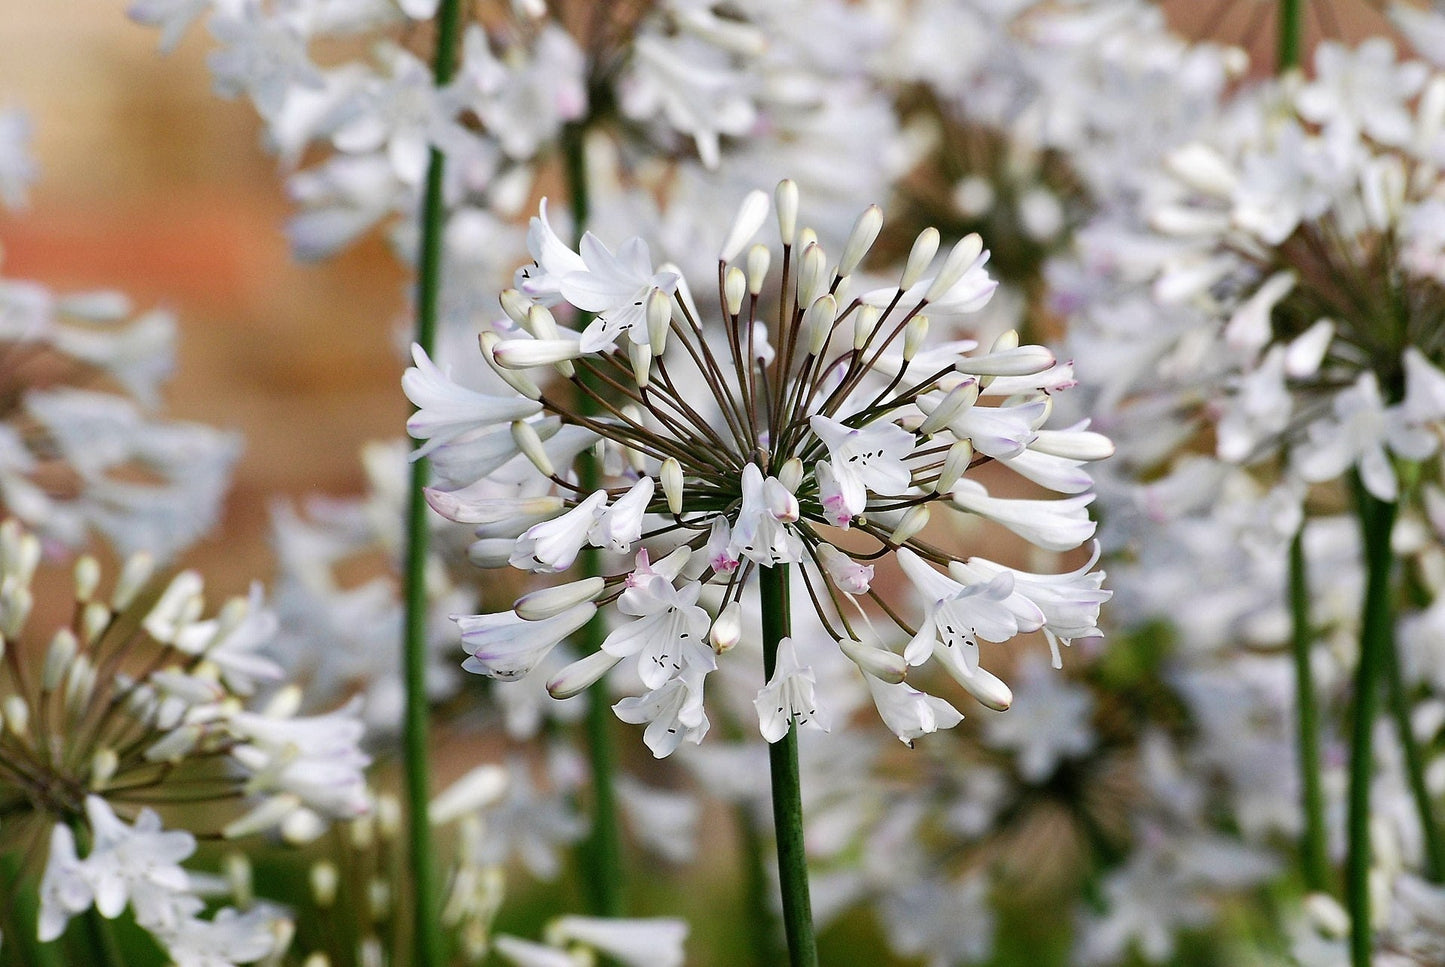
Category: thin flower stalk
<point>416,727</point>
<point>1314,853</point>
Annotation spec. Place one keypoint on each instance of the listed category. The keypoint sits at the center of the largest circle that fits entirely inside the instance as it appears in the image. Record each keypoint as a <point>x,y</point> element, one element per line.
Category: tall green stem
<point>1291,29</point>
<point>100,940</point>
<point>1415,769</point>
<point>1313,852</point>
<point>1377,519</point>
<point>426,919</point>
<point>602,850</point>
<point>787,791</point>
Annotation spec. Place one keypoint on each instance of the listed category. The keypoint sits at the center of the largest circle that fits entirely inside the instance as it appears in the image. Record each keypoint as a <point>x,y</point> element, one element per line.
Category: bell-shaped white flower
<point>864,459</point>
<point>670,631</point>
<point>620,526</point>
<point>759,534</point>
<point>615,287</point>
<point>909,713</point>
<point>553,545</point>
<point>506,646</point>
<point>847,575</point>
<point>653,942</point>
<point>788,695</point>
<point>447,410</point>
<point>1054,525</point>
<point>672,712</point>
<point>65,887</point>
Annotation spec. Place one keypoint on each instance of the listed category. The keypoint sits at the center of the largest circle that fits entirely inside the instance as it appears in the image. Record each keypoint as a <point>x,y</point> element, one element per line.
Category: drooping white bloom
<point>865,458</point>
<point>1055,525</point>
<point>507,646</point>
<point>672,712</point>
<point>65,887</point>
<point>909,713</point>
<point>446,410</point>
<point>553,545</point>
<point>788,696</point>
<point>670,632</point>
<point>655,942</point>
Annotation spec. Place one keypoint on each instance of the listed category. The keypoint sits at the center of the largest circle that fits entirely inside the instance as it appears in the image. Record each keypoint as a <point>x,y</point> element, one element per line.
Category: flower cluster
<point>823,441</point>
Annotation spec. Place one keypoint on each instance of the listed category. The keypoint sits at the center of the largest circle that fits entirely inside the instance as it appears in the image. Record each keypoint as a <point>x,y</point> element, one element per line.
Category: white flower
<point>139,864</point>
<point>788,695</point>
<point>670,632</point>
<point>17,168</point>
<point>654,942</point>
<point>1055,525</point>
<point>65,888</point>
<point>682,79</point>
<point>909,713</point>
<point>1357,435</point>
<point>620,526</point>
<point>506,646</point>
<point>673,712</point>
<point>231,937</point>
<point>761,533</point>
<point>553,545</point>
<point>316,758</point>
<point>615,287</point>
<point>447,410</point>
<point>866,458</point>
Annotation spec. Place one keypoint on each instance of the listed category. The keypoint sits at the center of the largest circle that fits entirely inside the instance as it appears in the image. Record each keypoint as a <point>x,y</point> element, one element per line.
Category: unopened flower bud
<point>954,402</point>
<point>324,881</point>
<point>955,465</point>
<point>818,323</point>
<point>238,875</point>
<point>640,355</point>
<point>103,766</point>
<point>727,630</point>
<point>57,659</point>
<point>17,715</point>
<point>865,321</point>
<point>515,378</point>
<point>581,675</point>
<point>759,257</point>
<point>790,474</point>
<point>527,353</point>
<point>962,256</point>
<point>87,577</point>
<point>878,662</point>
<point>549,602</point>
<point>912,523</point>
<point>1019,361</point>
<point>750,217</point>
<point>659,317</point>
<point>812,274</point>
<point>920,257</point>
<point>541,323</point>
<point>527,440</point>
<point>988,688</point>
<point>516,306</point>
<point>135,573</point>
<point>913,335</point>
<point>491,551</point>
<point>785,199</point>
<point>303,826</point>
<point>481,787</point>
<point>861,239</point>
<point>735,286</point>
<point>267,814</point>
<point>672,483</point>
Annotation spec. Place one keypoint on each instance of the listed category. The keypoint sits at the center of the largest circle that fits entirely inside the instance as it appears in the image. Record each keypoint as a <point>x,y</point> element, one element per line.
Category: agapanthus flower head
<point>1310,225</point>
<point>795,424</point>
<point>139,691</point>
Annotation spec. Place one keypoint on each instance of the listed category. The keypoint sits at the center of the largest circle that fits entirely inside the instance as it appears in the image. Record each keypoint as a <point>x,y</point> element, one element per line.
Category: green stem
<point>1377,519</point>
<point>1313,852</point>
<point>21,934</point>
<point>1415,769</point>
<point>100,940</point>
<point>761,920</point>
<point>1291,25</point>
<point>601,852</point>
<point>426,919</point>
<point>787,791</point>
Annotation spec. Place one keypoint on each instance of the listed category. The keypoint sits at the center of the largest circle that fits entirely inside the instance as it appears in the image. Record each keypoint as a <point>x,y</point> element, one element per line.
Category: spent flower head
<point>815,428</point>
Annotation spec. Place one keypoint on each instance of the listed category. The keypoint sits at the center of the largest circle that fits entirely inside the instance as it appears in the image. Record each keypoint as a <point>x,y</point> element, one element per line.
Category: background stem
<point>1314,855</point>
<point>1377,519</point>
<point>1291,29</point>
<point>426,919</point>
<point>787,791</point>
<point>1415,768</point>
<point>601,852</point>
